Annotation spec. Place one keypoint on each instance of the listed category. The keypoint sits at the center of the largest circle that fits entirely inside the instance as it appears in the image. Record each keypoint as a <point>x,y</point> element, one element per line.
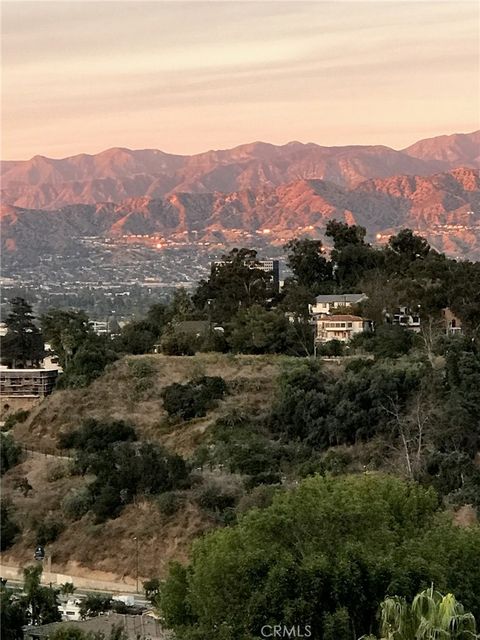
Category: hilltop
<point>84,547</point>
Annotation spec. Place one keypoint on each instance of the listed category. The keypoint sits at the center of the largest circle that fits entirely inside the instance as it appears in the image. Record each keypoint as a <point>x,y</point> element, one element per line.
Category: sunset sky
<point>185,77</point>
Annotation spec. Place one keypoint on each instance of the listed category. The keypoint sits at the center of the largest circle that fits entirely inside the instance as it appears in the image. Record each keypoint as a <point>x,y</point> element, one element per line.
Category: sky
<point>185,77</point>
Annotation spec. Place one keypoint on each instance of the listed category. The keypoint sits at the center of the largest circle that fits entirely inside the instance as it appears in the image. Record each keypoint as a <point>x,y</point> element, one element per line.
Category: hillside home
<point>404,317</point>
<point>453,324</point>
<point>339,327</point>
<point>330,302</point>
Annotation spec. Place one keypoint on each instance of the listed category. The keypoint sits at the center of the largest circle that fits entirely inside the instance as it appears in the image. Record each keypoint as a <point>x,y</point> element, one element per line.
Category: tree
<point>431,616</point>
<point>256,330</point>
<point>22,346</point>
<point>13,615</point>
<point>237,282</point>
<point>409,246</point>
<point>343,234</point>
<point>41,602</point>
<point>10,453</point>
<point>94,604</point>
<point>331,544</point>
<point>8,527</point>
<point>307,261</point>
<point>65,331</point>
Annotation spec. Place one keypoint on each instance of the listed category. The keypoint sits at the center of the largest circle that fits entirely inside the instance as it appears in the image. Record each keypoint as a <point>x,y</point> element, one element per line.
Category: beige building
<point>329,302</point>
<point>340,327</point>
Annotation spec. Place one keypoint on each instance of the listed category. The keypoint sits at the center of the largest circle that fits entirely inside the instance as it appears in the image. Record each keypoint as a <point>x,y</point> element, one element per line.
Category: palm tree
<point>431,616</point>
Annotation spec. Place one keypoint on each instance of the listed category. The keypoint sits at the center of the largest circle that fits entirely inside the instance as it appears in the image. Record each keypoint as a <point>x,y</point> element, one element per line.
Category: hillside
<point>444,207</point>
<point>118,173</point>
<point>85,548</point>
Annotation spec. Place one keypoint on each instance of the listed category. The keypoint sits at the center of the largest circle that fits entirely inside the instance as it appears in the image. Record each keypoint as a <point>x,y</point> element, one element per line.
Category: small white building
<point>404,317</point>
<point>329,302</point>
<point>339,327</point>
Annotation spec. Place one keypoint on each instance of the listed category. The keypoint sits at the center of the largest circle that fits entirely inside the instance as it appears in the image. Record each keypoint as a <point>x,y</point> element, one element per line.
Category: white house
<point>339,327</point>
<point>329,302</point>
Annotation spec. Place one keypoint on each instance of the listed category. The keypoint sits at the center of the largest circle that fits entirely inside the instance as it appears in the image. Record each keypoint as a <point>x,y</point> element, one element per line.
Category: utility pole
<point>136,561</point>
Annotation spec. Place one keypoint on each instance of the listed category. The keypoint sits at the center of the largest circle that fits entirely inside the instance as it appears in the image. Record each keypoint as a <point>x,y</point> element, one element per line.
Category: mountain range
<point>273,192</point>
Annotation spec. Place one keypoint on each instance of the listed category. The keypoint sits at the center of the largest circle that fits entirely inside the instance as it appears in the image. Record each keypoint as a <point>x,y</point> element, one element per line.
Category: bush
<point>48,531</point>
<point>10,453</point>
<point>94,435</point>
<point>77,503</point>
<point>169,502</point>
<point>94,604</point>
<point>178,344</point>
<point>260,497</point>
<point>262,478</point>
<point>141,368</point>
<point>11,420</point>
<point>193,399</point>
<point>332,348</point>
<point>57,471</point>
<point>216,499</point>
<point>8,527</point>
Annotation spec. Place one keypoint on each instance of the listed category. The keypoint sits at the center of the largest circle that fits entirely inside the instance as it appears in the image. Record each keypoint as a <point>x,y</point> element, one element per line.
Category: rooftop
<point>342,297</point>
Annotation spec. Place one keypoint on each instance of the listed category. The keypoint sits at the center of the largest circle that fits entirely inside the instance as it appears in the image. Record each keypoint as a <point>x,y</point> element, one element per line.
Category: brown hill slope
<point>107,548</point>
<point>118,173</point>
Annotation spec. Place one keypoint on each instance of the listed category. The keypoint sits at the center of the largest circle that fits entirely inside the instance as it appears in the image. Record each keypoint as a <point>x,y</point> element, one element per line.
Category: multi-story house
<point>330,302</point>
<point>339,327</point>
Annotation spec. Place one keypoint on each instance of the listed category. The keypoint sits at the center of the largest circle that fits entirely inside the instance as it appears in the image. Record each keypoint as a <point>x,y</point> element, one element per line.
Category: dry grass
<point>108,549</point>
<point>118,394</point>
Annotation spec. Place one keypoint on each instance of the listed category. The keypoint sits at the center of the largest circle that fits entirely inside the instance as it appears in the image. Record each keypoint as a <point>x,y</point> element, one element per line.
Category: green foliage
<point>332,348</point>
<point>10,453</point>
<point>94,604</point>
<point>94,435</point>
<point>430,616</point>
<point>178,343</point>
<point>65,331</point>
<point>77,503</point>
<point>13,418</point>
<point>256,330</point>
<point>331,547</point>
<point>8,527</point>
<point>236,284</point>
<point>41,603</point>
<point>22,346</point>
<point>308,263</point>
<point>152,589</point>
<point>169,502</point>
<point>13,615</point>
<point>125,471</point>
<point>387,341</point>
<point>193,399</point>
<point>48,531</point>
<point>88,362</point>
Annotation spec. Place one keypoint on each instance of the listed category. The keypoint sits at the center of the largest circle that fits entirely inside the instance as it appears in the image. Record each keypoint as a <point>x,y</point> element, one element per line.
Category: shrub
<point>8,527</point>
<point>141,368</point>
<point>215,499</point>
<point>10,453</point>
<point>332,348</point>
<point>48,531</point>
<point>178,344</point>
<point>193,399</point>
<point>11,420</point>
<point>94,435</point>
<point>262,478</point>
<point>169,502</point>
<point>94,604</point>
<point>77,503</point>
<point>57,471</point>
<point>260,497</point>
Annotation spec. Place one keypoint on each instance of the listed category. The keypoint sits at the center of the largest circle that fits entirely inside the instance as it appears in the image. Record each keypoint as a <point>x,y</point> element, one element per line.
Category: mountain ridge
<point>119,173</point>
<point>445,207</point>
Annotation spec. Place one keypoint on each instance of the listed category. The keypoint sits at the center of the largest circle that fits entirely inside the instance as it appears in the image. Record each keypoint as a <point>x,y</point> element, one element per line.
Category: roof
<point>342,297</point>
<point>143,626</point>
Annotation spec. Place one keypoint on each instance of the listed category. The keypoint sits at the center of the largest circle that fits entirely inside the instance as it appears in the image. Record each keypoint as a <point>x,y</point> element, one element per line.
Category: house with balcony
<point>339,327</point>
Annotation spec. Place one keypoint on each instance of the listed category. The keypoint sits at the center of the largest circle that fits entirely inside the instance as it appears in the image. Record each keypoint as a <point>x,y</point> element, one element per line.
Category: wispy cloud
<point>186,76</point>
